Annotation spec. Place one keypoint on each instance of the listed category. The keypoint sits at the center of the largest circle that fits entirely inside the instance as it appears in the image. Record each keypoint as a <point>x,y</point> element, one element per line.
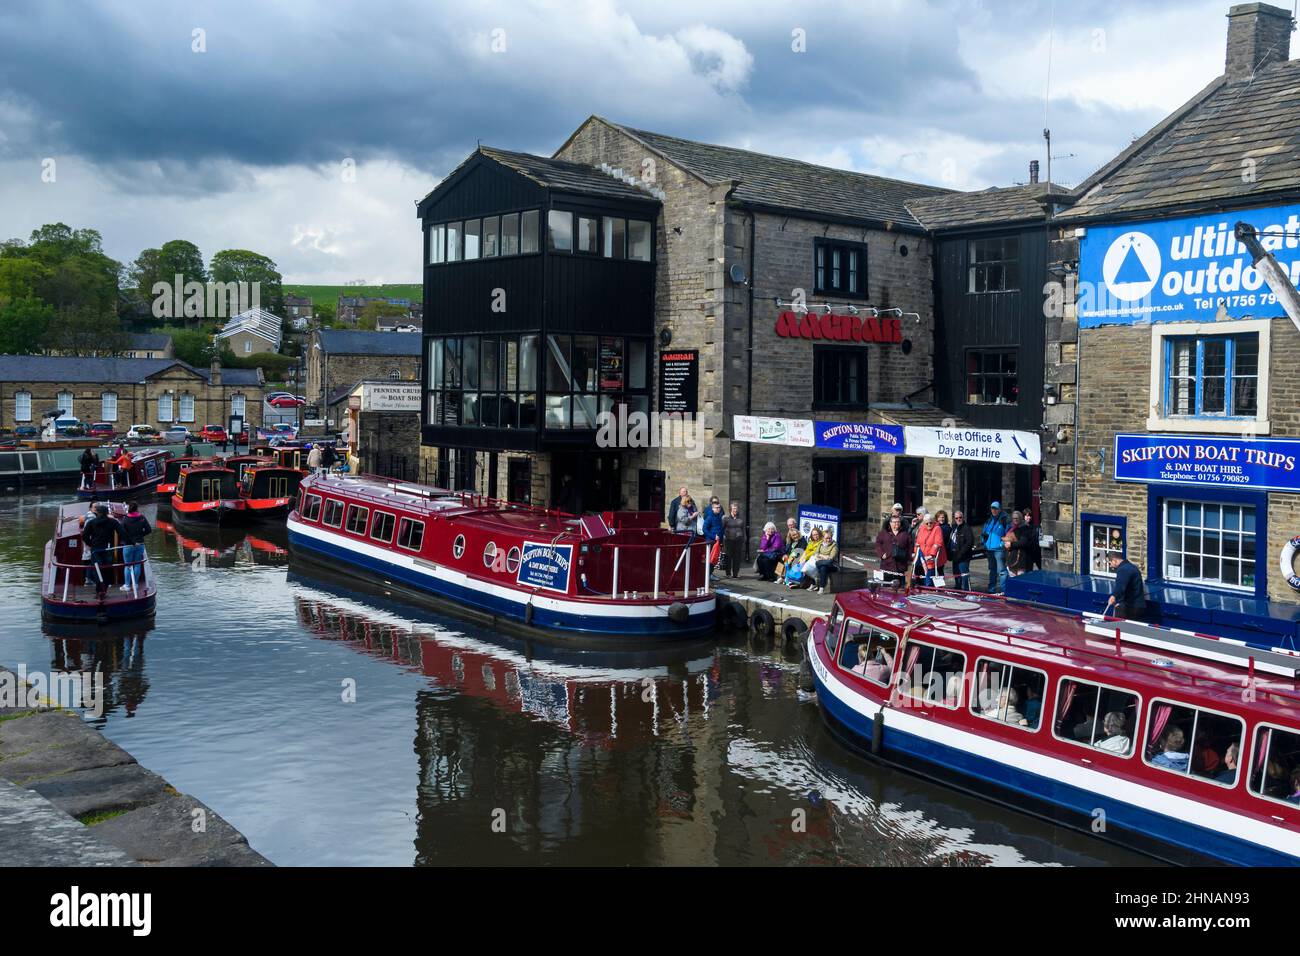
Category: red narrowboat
<point>172,473</point>
<point>118,479</point>
<point>268,491</point>
<point>1074,719</point>
<point>209,492</point>
<point>70,584</point>
<point>519,567</point>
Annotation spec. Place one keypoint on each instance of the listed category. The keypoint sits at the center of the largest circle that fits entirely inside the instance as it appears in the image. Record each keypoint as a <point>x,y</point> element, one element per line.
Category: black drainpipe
<point>749,391</point>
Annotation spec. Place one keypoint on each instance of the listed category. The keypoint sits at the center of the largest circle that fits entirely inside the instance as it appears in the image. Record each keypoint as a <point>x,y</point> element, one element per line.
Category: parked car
<point>213,433</point>
<point>27,431</point>
<point>101,430</point>
<point>69,427</point>
<point>285,401</point>
<point>176,433</point>
<point>142,433</point>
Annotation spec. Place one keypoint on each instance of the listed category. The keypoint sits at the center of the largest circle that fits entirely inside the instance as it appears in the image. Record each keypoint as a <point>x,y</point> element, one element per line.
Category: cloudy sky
<point>307,131</point>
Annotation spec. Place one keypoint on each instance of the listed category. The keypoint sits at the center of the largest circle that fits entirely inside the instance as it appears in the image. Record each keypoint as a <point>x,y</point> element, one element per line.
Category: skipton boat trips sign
<point>544,565</point>
<point>1182,270</point>
<point>974,444</point>
<point>859,436</point>
<point>1268,464</point>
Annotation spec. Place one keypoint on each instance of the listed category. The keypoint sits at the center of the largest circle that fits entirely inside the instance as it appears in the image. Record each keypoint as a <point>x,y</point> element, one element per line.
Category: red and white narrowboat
<point>268,491</point>
<point>69,585</point>
<point>209,492</point>
<point>140,475</point>
<point>1178,745</point>
<point>516,566</point>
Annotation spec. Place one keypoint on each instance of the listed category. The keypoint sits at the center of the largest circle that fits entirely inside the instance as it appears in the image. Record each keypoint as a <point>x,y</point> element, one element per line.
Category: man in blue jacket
<point>713,526</point>
<point>991,539</point>
<point>1128,599</point>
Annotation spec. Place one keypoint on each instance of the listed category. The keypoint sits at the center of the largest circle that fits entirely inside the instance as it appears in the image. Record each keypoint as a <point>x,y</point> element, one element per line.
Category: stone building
<point>253,331</point>
<point>127,391</point>
<point>339,358</point>
<point>149,345</point>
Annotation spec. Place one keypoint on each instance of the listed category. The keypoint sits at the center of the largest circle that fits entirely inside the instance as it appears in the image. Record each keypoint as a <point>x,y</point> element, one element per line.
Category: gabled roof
<point>257,322</point>
<point>148,341</point>
<point>791,185</point>
<point>987,207</point>
<point>348,342</point>
<point>1196,156</point>
<point>108,371</point>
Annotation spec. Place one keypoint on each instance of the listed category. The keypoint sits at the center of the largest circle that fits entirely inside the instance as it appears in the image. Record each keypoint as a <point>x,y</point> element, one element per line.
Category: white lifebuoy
<point>1288,562</point>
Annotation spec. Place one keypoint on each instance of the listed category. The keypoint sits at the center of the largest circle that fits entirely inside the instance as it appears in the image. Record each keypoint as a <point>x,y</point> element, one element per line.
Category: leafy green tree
<point>368,319</point>
<point>241,265</point>
<point>74,272</point>
<point>85,330</point>
<point>23,325</point>
<point>192,346</point>
<point>181,257</point>
<point>324,313</point>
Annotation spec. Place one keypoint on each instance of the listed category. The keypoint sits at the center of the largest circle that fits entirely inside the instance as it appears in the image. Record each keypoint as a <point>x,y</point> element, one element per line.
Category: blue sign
<point>1183,270</point>
<point>819,516</point>
<point>1262,464</point>
<point>859,436</point>
<point>545,566</point>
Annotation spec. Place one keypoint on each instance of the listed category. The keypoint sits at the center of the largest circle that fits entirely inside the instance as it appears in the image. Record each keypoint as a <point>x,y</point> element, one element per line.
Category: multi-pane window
<point>1208,542</point>
<point>994,265</point>
<point>310,508</point>
<point>22,406</point>
<point>486,380</point>
<point>237,406</point>
<point>187,407</point>
<point>410,534</point>
<point>516,233</point>
<point>839,268</point>
<point>1008,693</point>
<point>65,403</point>
<point>108,406</point>
<point>933,674</point>
<point>992,377</point>
<point>382,528</point>
<point>839,376</point>
<point>1102,539</point>
<point>1275,753</point>
<point>587,375</point>
<point>165,407</point>
<point>357,519</point>
<point>1212,375</point>
<point>1092,715</point>
<point>842,483</point>
<point>333,513</point>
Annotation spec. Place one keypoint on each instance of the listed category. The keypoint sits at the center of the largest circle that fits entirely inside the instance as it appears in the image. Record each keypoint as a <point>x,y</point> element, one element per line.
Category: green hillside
<point>330,293</point>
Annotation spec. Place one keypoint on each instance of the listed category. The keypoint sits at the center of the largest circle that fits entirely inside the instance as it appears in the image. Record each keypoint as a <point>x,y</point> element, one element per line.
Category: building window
<point>453,241</point>
<point>528,232</point>
<point>1207,542</point>
<point>483,380</point>
<point>491,244</point>
<point>615,237</point>
<point>559,231</point>
<point>640,240</point>
<point>587,239</point>
<point>839,268</point>
<point>1212,375</point>
<point>237,406</point>
<point>991,377</point>
<point>187,407</point>
<point>165,407</point>
<point>472,227</point>
<point>1103,538</point>
<point>108,406</point>
<point>994,265</point>
<point>437,244</point>
<point>248,345</point>
<point>842,483</point>
<point>839,377</point>
<point>65,403</point>
<point>22,406</point>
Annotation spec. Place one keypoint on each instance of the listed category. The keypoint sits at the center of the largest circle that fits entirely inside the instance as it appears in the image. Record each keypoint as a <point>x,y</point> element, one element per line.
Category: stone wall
<point>137,403</point>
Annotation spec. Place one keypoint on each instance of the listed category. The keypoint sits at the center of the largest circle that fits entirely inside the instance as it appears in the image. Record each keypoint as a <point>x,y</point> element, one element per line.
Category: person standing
<point>994,550</point>
<point>313,459</point>
<point>894,548</point>
<point>328,457</point>
<point>945,527</point>
<point>89,463</point>
<point>895,512</point>
<point>189,447</point>
<point>733,529</point>
<point>1017,542</point>
<point>676,503</point>
<point>713,529</point>
<point>961,546</point>
<point>135,527</point>
<point>770,549</point>
<point>687,514</point>
<point>1128,598</point>
<point>99,535</point>
<point>929,547</point>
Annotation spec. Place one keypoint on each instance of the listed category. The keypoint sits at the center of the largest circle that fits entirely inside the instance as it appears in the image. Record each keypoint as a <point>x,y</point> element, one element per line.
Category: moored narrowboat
<point>172,473</point>
<point>119,479</point>
<point>543,572</point>
<point>268,491</point>
<point>71,588</point>
<point>1140,735</point>
<point>209,492</point>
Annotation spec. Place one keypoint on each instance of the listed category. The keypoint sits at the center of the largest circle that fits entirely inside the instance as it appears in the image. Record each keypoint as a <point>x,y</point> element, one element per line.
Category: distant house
<point>298,307</point>
<point>350,308</point>
<point>253,331</point>
<point>340,357</point>
<point>149,345</point>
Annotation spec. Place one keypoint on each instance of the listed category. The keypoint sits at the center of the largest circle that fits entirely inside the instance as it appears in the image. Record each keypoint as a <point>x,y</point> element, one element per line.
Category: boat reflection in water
<point>220,545</point>
<point>114,652</point>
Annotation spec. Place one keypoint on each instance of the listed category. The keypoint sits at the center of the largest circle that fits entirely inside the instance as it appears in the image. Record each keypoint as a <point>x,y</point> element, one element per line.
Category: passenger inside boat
<point>1170,753</point>
<point>1193,741</point>
<point>1114,729</point>
<point>1277,755</point>
<point>868,652</point>
<point>1096,716</point>
<point>1001,689</point>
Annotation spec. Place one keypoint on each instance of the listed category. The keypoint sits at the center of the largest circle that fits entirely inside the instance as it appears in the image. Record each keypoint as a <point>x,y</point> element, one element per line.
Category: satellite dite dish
<point>738,275</point>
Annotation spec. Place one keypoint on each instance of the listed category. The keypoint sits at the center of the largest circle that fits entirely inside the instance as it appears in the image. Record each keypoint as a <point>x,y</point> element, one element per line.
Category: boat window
<point>489,553</point>
<point>1008,693</point>
<point>1275,765</point>
<point>933,674</point>
<point>1193,742</point>
<point>458,546</point>
<point>357,519</point>
<point>333,513</point>
<point>868,652</point>
<point>832,634</point>
<point>1090,715</point>
<point>512,560</point>
<point>382,529</point>
<point>410,534</point>
<point>310,506</point>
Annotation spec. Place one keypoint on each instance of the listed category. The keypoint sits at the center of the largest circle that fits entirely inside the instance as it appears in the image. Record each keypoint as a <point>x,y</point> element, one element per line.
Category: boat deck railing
<point>59,575</point>
<point>1040,642</point>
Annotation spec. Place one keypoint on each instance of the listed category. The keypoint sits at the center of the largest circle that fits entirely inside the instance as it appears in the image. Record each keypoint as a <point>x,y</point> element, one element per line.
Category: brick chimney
<point>1259,35</point>
<point>1033,171</point>
<point>214,372</point>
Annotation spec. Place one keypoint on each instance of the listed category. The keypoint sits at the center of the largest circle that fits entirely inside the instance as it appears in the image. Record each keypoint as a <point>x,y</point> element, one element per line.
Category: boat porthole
<point>489,553</point>
<point>512,560</point>
<point>458,546</point>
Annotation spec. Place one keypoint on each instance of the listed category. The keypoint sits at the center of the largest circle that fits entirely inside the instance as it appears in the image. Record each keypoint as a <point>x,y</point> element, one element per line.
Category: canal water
<point>334,727</point>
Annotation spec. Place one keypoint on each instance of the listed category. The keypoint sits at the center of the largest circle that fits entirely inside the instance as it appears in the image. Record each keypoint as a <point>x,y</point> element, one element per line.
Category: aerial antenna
<point>1047,93</point>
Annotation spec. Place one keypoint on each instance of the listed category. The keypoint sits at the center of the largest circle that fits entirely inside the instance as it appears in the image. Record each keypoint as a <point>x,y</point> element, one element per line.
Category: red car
<point>285,401</point>
<point>101,430</point>
<point>213,433</point>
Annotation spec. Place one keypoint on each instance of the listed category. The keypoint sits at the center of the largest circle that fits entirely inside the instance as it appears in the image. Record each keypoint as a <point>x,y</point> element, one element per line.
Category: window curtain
<point>1161,719</point>
<point>1067,699</point>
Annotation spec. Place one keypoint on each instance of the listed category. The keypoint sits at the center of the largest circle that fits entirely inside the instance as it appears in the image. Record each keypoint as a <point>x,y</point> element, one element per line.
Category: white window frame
<point>104,398</point>
<point>325,512</point>
<point>237,406</point>
<point>1191,742</point>
<point>874,633</point>
<point>72,401</point>
<point>1133,731</point>
<point>1104,571</point>
<point>182,416</point>
<point>1248,764</point>
<point>312,504</point>
<point>1240,559</point>
<point>1156,421</point>
<point>365,519</point>
<point>976,711</point>
<point>921,699</point>
<point>374,526</point>
<point>414,522</point>
<point>169,415</point>
<point>19,398</point>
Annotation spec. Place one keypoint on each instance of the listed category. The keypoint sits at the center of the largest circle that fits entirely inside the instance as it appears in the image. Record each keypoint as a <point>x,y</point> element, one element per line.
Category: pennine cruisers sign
<point>1262,464</point>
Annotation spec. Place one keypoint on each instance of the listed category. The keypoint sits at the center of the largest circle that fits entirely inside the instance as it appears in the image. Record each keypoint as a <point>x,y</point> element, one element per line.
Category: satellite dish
<point>738,275</point>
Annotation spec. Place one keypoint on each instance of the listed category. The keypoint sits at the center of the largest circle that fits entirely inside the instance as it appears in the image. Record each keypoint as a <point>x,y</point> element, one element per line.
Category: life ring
<point>793,630</point>
<point>733,616</point>
<point>1287,563</point>
<point>762,622</point>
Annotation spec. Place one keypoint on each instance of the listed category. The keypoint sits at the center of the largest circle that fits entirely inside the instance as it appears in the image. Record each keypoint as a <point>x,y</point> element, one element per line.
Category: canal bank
<point>69,797</point>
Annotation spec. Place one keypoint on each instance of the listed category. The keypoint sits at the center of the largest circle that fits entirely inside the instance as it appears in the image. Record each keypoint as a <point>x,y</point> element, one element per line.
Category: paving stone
<point>102,789</point>
<point>46,744</point>
<point>34,832</point>
<point>164,831</point>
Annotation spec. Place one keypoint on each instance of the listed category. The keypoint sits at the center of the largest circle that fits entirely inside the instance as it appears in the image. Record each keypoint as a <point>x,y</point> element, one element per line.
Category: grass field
<point>330,293</point>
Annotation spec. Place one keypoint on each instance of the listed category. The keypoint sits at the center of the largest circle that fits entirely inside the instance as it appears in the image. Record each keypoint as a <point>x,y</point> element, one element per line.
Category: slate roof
<point>1194,156</point>
<point>114,371</point>
<point>777,182</point>
<point>149,341</point>
<point>348,342</point>
<point>986,207</point>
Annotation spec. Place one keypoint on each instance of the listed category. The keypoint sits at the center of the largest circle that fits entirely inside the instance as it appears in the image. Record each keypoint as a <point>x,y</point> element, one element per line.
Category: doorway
<point>983,487</point>
<point>908,475</point>
<point>583,481</point>
<point>519,481</point>
<point>650,488</point>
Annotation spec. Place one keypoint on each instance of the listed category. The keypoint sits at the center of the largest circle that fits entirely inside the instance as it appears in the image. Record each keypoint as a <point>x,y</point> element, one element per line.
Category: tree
<point>23,325</point>
<point>368,319</point>
<point>192,346</point>
<point>85,330</point>
<point>179,257</point>
<point>241,265</point>
<point>323,313</point>
<point>73,271</point>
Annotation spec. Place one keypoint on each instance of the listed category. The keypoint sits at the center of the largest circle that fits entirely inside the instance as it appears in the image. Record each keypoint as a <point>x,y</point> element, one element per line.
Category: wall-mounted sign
<point>819,516</point>
<point>390,397</point>
<point>860,436</point>
<point>781,491</point>
<point>1182,270</point>
<point>679,381</point>
<point>835,327</point>
<point>773,431</point>
<point>545,566</point>
<point>974,444</point>
<point>611,364</point>
<point>1261,464</point>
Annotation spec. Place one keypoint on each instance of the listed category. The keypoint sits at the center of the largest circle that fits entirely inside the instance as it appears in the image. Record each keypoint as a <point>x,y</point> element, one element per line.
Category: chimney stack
<point>1259,35</point>
<point>214,371</point>
<point>1033,171</point>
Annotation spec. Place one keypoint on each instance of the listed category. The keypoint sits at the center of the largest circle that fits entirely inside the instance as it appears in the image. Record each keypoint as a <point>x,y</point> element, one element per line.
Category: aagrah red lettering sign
<point>838,328</point>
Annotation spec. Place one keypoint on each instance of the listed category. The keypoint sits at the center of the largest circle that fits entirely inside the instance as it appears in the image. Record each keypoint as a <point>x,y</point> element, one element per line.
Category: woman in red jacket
<point>929,544</point>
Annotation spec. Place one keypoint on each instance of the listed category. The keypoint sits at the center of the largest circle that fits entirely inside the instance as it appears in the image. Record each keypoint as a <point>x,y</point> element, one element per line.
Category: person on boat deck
<point>1114,726</point>
<point>828,553</point>
<point>313,459</point>
<point>929,545</point>
<point>876,669</point>
<point>1127,598</point>
<point>1171,753</point>
<point>960,547</point>
<point>770,548</point>
<point>328,456</point>
<point>995,530</point>
<point>1004,708</point>
<point>894,547</point>
<point>89,462</point>
<point>733,540</point>
<point>122,464</point>
<point>135,527</point>
<point>99,534</point>
<point>1228,772</point>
